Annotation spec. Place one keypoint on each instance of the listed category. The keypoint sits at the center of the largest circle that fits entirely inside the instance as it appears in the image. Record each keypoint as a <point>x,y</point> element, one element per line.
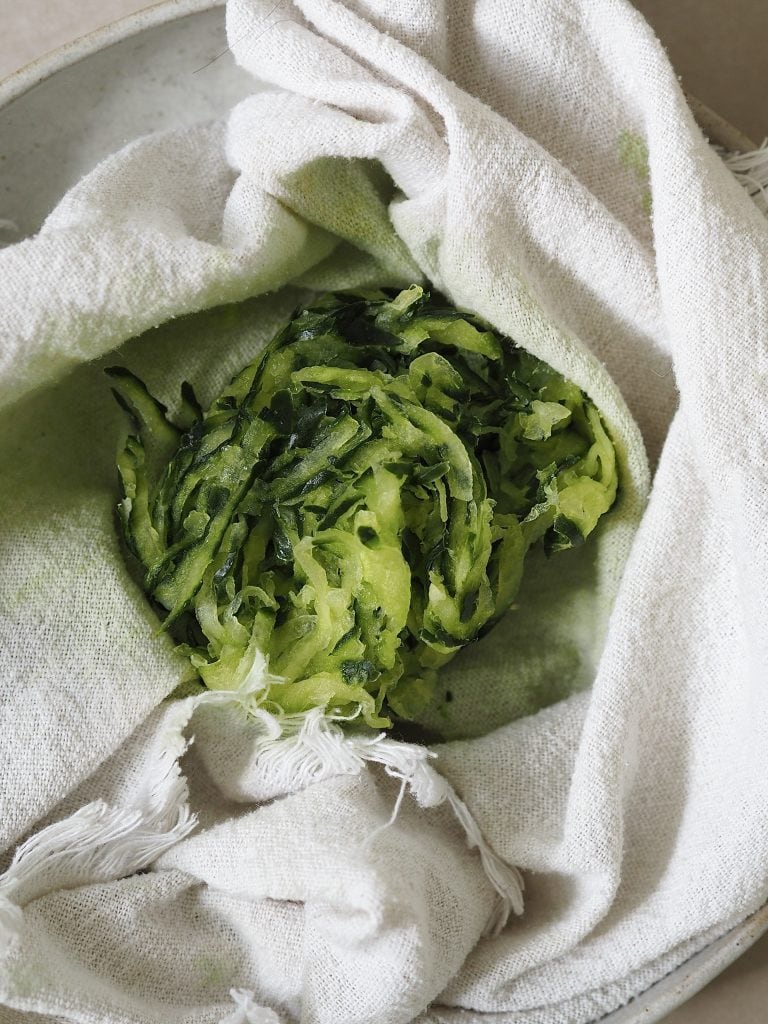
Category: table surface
<point>719,52</point>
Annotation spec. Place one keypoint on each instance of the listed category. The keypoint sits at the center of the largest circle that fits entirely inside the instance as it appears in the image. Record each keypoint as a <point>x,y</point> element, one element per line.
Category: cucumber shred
<point>357,506</point>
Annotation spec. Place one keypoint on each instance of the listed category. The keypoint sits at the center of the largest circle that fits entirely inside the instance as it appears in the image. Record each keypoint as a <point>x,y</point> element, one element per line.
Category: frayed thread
<point>297,750</point>
<point>247,1010</point>
<point>100,843</point>
<point>103,843</point>
<point>751,171</point>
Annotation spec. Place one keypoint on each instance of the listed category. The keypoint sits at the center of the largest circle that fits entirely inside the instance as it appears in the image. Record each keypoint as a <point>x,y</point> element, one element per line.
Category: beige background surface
<point>719,49</point>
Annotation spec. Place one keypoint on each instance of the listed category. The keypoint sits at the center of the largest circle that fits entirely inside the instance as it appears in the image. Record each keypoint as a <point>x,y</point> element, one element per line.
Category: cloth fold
<point>539,165</point>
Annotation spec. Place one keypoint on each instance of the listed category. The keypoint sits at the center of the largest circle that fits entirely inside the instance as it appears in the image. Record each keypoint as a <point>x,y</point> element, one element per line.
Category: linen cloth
<point>539,165</point>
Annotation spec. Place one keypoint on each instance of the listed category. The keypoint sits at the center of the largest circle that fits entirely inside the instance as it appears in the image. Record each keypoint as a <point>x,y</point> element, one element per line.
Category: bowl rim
<point>719,131</point>
<point>152,16</point>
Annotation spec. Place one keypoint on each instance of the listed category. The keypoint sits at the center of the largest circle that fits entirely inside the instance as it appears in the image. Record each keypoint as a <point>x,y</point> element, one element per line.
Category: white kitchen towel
<point>539,165</point>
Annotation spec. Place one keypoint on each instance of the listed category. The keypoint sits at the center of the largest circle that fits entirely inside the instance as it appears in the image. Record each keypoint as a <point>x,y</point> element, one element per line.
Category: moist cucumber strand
<point>357,505</point>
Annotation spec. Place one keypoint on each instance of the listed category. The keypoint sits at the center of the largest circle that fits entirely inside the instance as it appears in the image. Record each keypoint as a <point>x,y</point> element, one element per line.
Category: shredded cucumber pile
<point>358,504</point>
